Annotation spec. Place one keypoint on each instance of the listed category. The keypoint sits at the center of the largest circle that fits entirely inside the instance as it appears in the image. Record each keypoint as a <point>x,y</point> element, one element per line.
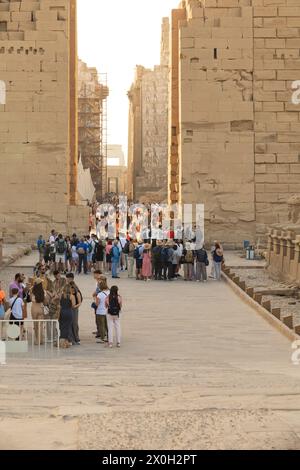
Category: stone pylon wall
<point>277,125</point>
<point>38,136</point>
<point>238,132</point>
<point>216,114</point>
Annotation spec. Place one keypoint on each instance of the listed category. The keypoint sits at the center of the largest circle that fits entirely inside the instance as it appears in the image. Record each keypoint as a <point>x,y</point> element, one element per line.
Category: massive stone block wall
<point>237,131</point>
<point>148,129</point>
<point>38,126</point>
<point>216,117</point>
<point>277,125</point>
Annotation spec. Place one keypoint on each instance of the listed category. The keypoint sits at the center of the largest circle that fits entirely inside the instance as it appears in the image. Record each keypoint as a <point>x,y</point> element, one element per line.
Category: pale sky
<point>115,36</point>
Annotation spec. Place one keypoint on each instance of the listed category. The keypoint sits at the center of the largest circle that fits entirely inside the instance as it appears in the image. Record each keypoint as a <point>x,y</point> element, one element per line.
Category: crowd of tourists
<point>52,293</point>
<point>57,297</point>
<point>158,260</point>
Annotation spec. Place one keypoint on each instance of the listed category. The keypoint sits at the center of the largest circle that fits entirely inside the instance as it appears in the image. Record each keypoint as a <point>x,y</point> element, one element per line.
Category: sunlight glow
<point>115,36</point>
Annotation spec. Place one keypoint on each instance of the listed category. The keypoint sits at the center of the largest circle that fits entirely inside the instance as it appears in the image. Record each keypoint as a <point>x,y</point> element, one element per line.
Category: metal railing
<point>36,333</point>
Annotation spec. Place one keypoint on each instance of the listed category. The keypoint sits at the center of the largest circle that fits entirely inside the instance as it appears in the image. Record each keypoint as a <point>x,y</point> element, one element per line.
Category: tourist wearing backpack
<point>61,253</point>
<point>201,265</point>
<point>188,255</point>
<point>82,249</point>
<point>218,257</point>
<point>138,256</point>
<point>113,305</point>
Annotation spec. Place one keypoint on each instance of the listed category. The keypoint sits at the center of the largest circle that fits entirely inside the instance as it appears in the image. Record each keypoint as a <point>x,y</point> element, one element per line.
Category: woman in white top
<point>74,259</point>
<point>102,311</point>
<point>17,310</point>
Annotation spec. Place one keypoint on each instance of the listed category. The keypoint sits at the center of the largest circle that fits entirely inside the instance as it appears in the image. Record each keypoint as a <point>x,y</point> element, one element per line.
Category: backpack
<point>189,257</point>
<point>115,252</point>
<point>165,255</point>
<point>218,258</point>
<point>157,253</point>
<point>98,249</point>
<point>201,256</point>
<point>61,247</point>
<point>126,248</point>
<point>137,254</point>
<point>113,306</point>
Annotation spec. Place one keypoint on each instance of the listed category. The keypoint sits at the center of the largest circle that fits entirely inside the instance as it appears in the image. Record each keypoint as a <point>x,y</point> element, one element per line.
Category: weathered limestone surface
<point>234,133</point>
<point>277,125</point>
<point>148,129</point>
<point>38,124</point>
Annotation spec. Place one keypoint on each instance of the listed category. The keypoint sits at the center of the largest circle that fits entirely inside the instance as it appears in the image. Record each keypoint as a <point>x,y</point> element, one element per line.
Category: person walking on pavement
<point>201,265</point>
<point>218,257</point>
<point>101,311</point>
<point>147,264</point>
<point>75,314</point>
<point>82,250</point>
<point>67,302</point>
<point>115,259</point>
<point>113,304</point>
<point>77,299</point>
<point>138,256</point>
<point>188,262</point>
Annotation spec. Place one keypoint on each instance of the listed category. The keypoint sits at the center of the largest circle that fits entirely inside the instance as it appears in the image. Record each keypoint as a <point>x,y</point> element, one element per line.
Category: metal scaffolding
<point>104,133</point>
<point>92,129</point>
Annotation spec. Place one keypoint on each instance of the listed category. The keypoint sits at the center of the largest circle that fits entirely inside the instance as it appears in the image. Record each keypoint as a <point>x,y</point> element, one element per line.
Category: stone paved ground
<point>198,369</point>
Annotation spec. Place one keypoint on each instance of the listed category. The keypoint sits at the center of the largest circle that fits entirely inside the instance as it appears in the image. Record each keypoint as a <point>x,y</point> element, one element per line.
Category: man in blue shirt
<point>115,260</point>
<point>41,246</point>
<point>82,250</point>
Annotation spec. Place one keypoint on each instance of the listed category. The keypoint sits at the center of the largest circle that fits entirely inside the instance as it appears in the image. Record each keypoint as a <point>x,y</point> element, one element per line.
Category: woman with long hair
<point>68,254</point>
<point>39,299</point>
<point>114,306</point>
<point>218,257</point>
<point>67,303</point>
